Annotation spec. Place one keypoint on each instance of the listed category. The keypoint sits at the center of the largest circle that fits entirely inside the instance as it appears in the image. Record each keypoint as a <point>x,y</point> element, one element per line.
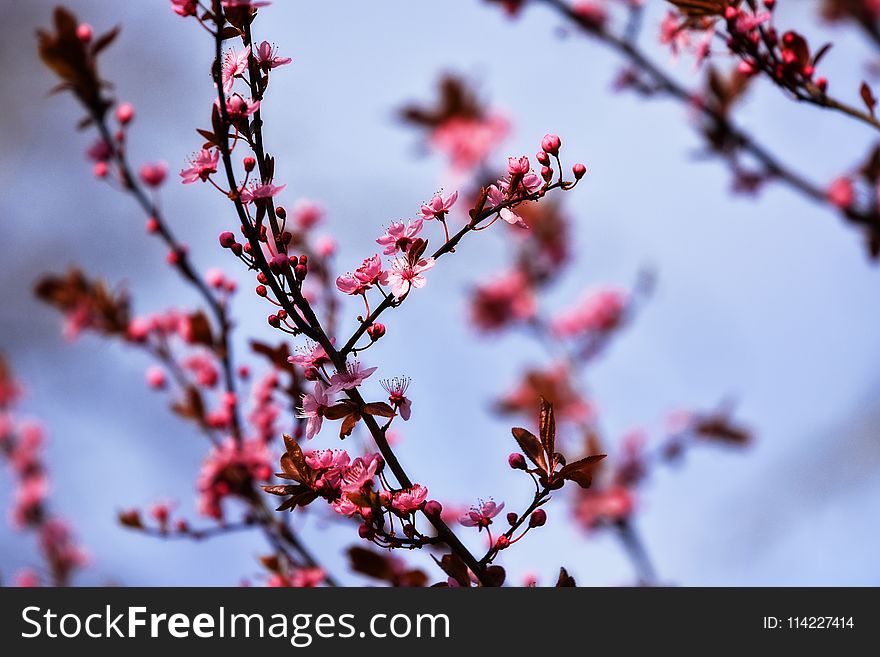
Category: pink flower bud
<point>518,166</point>
<point>433,509</point>
<point>261,291</point>
<point>376,331</point>
<point>273,320</point>
<point>578,170</point>
<point>502,542</point>
<point>152,225</point>
<point>100,170</point>
<point>84,32</point>
<point>512,518</point>
<point>125,113</point>
<point>516,461</point>
<point>301,271</point>
<point>214,277</point>
<point>551,143</point>
<point>278,263</point>
<point>538,518</point>
<point>542,158</point>
<point>227,239</point>
<point>249,164</point>
<point>155,377</point>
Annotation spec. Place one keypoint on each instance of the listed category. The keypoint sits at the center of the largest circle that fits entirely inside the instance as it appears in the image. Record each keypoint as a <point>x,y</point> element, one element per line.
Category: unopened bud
<point>538,518</point>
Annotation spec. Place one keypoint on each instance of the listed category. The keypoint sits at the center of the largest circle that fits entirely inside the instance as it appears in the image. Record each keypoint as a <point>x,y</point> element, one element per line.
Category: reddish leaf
<point>340,410</point>
<point>565,580</point>
<point>453,566</point>
<point>868,97</point>
<point>530,444</point>
<point>348,424</point>
<point>380,409</point>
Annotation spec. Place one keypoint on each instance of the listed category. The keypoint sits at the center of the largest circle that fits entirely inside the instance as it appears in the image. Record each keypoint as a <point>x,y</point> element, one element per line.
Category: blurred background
<point>770,301</point>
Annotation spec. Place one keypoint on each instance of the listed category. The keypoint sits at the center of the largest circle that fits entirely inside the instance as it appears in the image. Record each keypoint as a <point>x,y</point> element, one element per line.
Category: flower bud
<point>512,518</point>
<point>551,143</point>
<point>152,225</point>
<point>249,164</point>
<point>261,278</point>
<point>516,461</point>
<point>578,170</point>
<point>542,158</point>
<point>376,331</point>
<point>311,374</point>
<point>538,518</point>
<point>822,84</point>
<point>273,321</point>
<point>281,213</point>
<point>433,509</point>
<point>546,173</point>
<point>278,263</point>
<point>84,32</point>
<point>236,249</point>
<point>227,239</point>
<point>301,271</point>
<point>502,542</point>
<point>100,170</point>
<point>366,532</point>
<point>125,113</point>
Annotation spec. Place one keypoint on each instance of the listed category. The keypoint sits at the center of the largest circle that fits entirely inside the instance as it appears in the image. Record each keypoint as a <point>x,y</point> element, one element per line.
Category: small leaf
<point>495,575</point>
<point>348,424</point>
<point>340,410</point>
<point>380,409</point>
<point>547,425</point>
<point>453,566</point>
<point>868,97</point>
<point>105,40</point>
<point>565,580</point>
<point>530,444</point>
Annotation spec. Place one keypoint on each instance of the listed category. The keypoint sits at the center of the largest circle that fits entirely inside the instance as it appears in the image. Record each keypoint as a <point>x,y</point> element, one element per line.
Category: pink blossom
<point>325,246</point>
<point>410,499</point>
<point>396,389</point>
<point>345,507</point>
<point>307,578</point>
<point>359,475</point>
<point>349,284</point>
<point>234,63</point>
<point>518,166</point>
<point>497,197</point>
<point>404,275</point>
<point>502,301</point>
<point>238,108</point>
<point>600,310</point>
<point>267,58</point>
<point>313,406</point>
<point>154,174</point>
<point>841,193</point>
<point>201,166</point>
<point>155,376</point>
<point>468,141</point>
<point>399,236</point>
<point>185,7</point>
<point>349,379</point>
<point>596,506</point>
<point>368,274</point>
<point>204,368</point>
<point>482,514</point>
<point>746,22</point>
<point>438,207</point>
<point>27,579</point>
<point>311,355</point>
<point>306,213</point>
<point>259,191</point>
<point>229,470</point>
<point>327,459</point>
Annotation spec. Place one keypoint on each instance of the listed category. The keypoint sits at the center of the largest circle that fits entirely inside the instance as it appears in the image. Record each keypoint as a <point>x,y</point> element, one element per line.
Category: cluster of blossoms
<point>230,470</point>
<point>22,445</point>
<point>599,311</point>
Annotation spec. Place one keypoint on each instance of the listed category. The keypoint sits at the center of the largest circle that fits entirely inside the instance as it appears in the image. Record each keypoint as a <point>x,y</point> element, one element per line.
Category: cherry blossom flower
<point>234,63</point>
<point>345,507</point>
<point>410,499</point>
<point>840,193</point>
<point>497,197</point>
<point>313,406</point>
<point>396,389</point>
<point>596,506</point>
<point>306,213</point>
<point>259,191</point>
<point>359,475</point>
<point>154,174</point>
<point>502,301</point>
<point>228,470</point>
<point>185,7</point>
<point>238,108</point>
<point>399,236</point>
<point>349,379</point>
<point>404,275</point>
<point>467,141</point>
<point>204,368</point>
<point>438,207</point>
<point>267,58</point>
<point>311,355</point>
<point>601,310</point>
<point>481,515</point>
<point>201,166</point>
<point>368,274</point>
<point>327,459</point>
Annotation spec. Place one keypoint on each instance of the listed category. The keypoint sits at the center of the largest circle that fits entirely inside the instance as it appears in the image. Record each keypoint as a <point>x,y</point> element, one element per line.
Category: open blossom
<point>312,355</point>
<point>368,274</point>
<point>267,59</point>
<point>596,506</point>
<point>238,108</point>
<point>396,389</point>
<point>404,275</point>
<point>438,207</point>
<point>313,407</point>
<point>230,469</point>
<point>349,379</point>
<point>201,166</point>
<point>153,174</point>
<point>502,301</point>
<point>259,191</point>
<point>327,459</point>
<point>482,514</point>
<point>409,499</point>
<point>600,310</point>
<point>467,141</point>
<point>497,197</point>
<point>399,236</point>
<point>359,475</point>
<point>234,63</point>
<point>306,213</point>
<point>185,7</point>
